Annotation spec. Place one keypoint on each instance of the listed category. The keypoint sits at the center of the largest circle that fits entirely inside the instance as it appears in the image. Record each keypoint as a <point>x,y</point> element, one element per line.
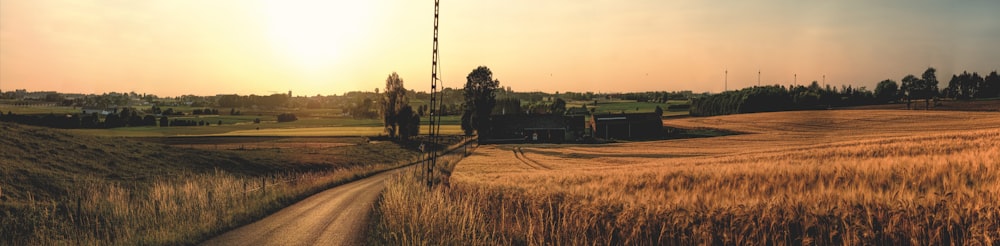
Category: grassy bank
<point>59,188</point>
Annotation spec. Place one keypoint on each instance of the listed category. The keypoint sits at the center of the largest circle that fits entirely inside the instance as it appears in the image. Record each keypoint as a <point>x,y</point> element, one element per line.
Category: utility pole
<point>824,80</point>
<point>795,81</point>
<point>726,88</point>
<point>758,77</point>
<point>435,104</point>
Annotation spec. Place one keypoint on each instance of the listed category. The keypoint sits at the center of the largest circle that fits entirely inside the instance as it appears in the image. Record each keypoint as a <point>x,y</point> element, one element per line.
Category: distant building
<point>99,111</point>
<point>627,126</point>
<point>536,128</point>
<point>35,95</point>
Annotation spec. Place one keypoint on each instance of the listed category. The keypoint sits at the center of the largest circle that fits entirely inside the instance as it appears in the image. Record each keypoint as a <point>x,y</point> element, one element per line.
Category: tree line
<point>123,117</point>
<point>781,98</point>
<point>118,118</point>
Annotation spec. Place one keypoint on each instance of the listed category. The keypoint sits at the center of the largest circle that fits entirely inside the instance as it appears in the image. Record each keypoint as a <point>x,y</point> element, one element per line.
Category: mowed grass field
<point>856,177</point>
<point>312,122</point>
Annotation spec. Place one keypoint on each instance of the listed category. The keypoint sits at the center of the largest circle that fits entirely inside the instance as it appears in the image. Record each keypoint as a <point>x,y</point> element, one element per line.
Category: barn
<point>627,126</point>
<point>545,128</point>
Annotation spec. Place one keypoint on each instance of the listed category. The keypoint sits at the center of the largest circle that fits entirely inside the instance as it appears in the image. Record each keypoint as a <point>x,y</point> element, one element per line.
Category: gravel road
<point>338,216</point>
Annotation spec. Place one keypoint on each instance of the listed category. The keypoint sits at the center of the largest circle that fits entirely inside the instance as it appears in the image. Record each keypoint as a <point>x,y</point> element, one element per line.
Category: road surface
<point>337,216</point>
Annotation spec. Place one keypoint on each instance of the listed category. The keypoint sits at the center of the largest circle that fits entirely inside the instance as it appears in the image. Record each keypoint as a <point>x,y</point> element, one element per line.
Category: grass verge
<point>60,188</point>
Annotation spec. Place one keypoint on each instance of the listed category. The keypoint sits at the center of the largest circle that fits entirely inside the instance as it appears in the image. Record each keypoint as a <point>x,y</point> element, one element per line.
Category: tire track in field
<point>519,154</point>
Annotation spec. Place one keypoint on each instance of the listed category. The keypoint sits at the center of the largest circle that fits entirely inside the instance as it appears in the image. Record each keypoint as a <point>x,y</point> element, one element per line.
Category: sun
<point>316,35</point>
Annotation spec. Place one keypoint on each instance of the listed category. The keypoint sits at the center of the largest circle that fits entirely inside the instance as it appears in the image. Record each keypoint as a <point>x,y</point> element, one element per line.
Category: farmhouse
<point>626,126</point>
<point>100,111</point>
<point>536,128</point>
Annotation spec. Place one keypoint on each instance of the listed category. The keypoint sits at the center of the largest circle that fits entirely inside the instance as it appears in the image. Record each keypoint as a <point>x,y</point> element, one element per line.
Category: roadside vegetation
<point>61,188</point>
<point>824,177</point>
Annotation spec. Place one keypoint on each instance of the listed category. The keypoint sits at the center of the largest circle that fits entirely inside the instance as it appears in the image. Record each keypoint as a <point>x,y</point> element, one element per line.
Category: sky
<point>180,47</point>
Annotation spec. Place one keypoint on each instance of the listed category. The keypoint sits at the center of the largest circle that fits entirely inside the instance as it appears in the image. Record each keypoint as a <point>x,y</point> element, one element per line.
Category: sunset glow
<point>330,47</point>
<point>317,35</point>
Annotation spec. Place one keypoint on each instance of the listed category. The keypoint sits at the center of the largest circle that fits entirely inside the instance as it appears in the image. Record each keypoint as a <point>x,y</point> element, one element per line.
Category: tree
<point>929,86</point>
<point>558,107</point>
<point>467,123</point>
<point>909,89</point>
<point>990,86</point>
<point>164,122</point>
<point>392,101</point>
<point>408,122</point>
<point>149,120</point>
<point>480,97</point>
<point>287,117</point>
<point>886,91</point>
<point>964,86</point>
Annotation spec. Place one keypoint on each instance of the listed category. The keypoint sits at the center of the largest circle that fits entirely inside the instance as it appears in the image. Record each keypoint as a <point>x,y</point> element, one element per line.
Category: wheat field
<point>844,177</point>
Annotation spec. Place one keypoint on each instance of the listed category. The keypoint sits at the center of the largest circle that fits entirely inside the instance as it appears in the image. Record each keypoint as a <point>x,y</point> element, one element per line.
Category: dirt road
<point>336,216</point>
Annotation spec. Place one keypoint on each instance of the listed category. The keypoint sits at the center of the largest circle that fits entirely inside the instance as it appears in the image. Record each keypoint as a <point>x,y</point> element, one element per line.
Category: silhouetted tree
<point>480,97</point>
<point>287,117</point>
<point>558,107</point>
<point>506,106</point>
<point>990,86</point>
<point>929,86</point>
<point>149,120</point>
<point>910,88</point>
<point>393,101</point>
<point>90,121</point>
<point>886,91</point>
<point>964,86</point>
<point>467,123</point>
<point>405,122</point>
<point>415,125</point>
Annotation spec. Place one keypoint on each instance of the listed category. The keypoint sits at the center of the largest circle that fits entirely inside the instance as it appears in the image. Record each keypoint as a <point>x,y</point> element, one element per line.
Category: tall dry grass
<point>883,189</point>
<point>171,211</point>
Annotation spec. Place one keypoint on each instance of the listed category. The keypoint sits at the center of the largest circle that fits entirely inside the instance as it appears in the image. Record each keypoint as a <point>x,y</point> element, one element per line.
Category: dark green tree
<point>929,86</point>
<point>480,97</point>
<point>149,120</point>
<point>467,123</point>
<point>558,107</point>
<point>393,100</point>
<point>990,87</point>
<point>910,88</point>
<point>886,91</point>
<point>405,122</point>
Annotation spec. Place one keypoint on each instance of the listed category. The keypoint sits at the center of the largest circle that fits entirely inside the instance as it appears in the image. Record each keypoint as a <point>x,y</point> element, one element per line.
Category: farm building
<point>100,111</point>
<point>626,126</point>
<point>536,128</point>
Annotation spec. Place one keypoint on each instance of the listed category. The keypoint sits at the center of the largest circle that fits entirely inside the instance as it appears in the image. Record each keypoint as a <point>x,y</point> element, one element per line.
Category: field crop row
<point>820,177</point>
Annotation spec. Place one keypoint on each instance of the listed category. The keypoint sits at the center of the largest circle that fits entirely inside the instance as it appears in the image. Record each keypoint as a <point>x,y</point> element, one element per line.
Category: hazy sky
<point>174,47</point>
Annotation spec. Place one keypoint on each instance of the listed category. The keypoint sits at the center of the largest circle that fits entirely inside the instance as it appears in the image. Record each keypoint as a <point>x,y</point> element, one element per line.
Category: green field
<point>629,106</point>
<point>312,122</point>
<point>330,131</point>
